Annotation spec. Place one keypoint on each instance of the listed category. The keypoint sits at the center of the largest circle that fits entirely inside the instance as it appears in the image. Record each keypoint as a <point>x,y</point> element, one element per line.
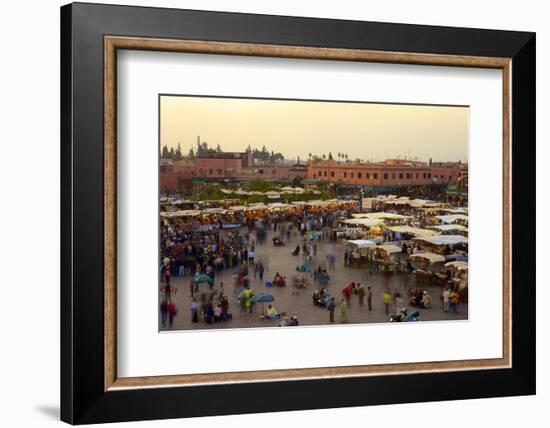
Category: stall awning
<point>416,231</point>
<point>449,227</point>
<point>451,218</point>
<point>362,243</point>
<point>365,222</point>
<point>444,239</point>
<point>462,265</point>
<point>431,257</point>
<point>390,249</point>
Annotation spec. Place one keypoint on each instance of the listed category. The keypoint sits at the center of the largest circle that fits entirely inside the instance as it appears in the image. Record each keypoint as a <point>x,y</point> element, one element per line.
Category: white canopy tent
<point>451,218</point>
<point>365,222</point>
<point>461,265</point>
<point>416,231</point>
<point>388,248</point>
<point>450,227</point>
<point>362,243</point>
<point>431,257</point>
<point>443,239</point>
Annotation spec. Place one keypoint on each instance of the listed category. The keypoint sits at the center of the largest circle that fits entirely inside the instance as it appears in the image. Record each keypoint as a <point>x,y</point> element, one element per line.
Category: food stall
<point>359,251</point>
<point>427,264</point>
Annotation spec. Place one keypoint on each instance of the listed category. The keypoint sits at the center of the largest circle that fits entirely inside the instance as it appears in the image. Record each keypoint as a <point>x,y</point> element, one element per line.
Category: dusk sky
<point>297,128</point>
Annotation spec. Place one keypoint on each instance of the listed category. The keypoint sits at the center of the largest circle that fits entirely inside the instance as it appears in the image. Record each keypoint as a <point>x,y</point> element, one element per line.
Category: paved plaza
<point>293,301</point>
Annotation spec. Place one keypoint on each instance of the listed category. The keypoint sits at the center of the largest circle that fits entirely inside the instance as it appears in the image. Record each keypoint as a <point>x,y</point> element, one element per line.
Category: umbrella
<point>203,278</point>
<point>263,297</point>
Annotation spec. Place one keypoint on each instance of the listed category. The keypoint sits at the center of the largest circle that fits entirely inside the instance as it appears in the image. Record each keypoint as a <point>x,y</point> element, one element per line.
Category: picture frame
<point>91,391</point>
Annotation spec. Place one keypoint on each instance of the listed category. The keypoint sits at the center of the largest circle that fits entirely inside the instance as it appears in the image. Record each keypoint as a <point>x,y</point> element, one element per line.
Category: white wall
<point>29,231</point>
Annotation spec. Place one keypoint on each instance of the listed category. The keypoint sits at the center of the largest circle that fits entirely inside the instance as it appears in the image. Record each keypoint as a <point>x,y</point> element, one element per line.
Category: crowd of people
<point>201,255</point>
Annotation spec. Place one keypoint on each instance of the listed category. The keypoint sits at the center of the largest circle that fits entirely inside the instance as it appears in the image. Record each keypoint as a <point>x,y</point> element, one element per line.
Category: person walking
<point>453,298</point>
<point>194,311</point>
<point>261,271</point>
<point>360,290</point>
<point>387,298</point>
<point>343,311</point>
<point>446,299</point>
<point>331,306</point>
<point>171,308</point>
<point>369,298</point>
<point>163,312</point>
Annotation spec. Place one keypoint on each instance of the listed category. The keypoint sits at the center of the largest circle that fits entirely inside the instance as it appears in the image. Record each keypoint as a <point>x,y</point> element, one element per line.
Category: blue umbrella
<point>262,297</point>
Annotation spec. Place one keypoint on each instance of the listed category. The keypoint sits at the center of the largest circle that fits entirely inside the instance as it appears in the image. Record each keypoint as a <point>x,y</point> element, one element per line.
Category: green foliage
<point>266,156</point>
<point>178,155</point>
<point>260,186</point>
<point>207,192</point>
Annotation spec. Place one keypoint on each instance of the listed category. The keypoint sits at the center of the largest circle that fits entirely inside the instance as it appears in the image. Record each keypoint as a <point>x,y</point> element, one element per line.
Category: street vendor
<point>279,279</point>
<point>272,313</point>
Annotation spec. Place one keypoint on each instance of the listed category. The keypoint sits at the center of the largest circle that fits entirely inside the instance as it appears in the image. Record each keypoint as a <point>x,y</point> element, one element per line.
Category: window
<point>325,173</point>
<point>385,176</point>
<point>450,178</point>
<point>375,175</point>
<point>359,175</point>
<point>210,171</point>
<point>351,175</point>
<point>368,175</point>
<point>332,173</point>
<point>417,175</point>
<point>393,176</point>
<point>429,175</point>
<point>219,171</point>
<point>424,175</point>
<point>344,174</point>
<point>400,175</point>
<point>409,175</point>
<point>260,171</point>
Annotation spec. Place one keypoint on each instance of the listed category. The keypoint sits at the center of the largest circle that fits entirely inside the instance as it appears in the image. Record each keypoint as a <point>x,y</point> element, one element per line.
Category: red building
<point>176,174</point>
<point>392,172</point>
<point>222,164</point>
<point>370,174</point>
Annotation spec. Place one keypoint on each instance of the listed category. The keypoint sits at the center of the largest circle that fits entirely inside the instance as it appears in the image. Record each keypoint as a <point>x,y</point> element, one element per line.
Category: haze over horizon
<point>364,131</point>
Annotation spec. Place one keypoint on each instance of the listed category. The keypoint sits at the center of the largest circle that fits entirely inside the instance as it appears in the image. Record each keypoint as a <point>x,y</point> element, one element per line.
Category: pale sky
<point>296,128</point>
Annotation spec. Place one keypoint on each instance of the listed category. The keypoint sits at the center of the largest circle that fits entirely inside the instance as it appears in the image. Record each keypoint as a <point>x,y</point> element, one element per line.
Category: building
<point>175,174</point>
<point>275,172</point>
<point>390,173</point>
<point>448,172</point>
<point>222,164</point>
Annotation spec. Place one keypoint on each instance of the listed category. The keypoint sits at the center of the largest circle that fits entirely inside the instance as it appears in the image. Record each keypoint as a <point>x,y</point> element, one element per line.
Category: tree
<point>218,148</point>
<point>191,153</point>
<point>178,155</point>
<point>330,156</point>
<point>172,153</point>
<point>165,154</point>
<point>324,156</point>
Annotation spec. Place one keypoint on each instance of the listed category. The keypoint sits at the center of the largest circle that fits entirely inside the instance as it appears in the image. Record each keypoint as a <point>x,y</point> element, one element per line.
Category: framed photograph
<point>266,213</point>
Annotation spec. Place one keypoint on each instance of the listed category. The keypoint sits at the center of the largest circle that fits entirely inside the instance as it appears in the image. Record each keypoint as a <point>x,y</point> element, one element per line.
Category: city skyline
<point>436,132</point>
